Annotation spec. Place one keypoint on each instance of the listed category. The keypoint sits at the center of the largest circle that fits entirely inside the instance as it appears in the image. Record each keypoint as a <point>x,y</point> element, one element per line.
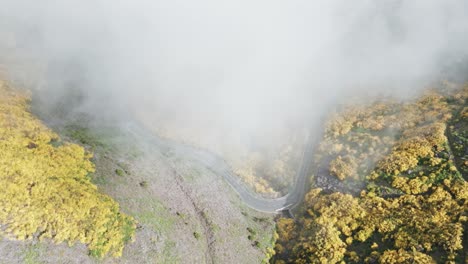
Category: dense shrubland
<point>412,157</point>
<point>360,136</point>
<point>46,189</point>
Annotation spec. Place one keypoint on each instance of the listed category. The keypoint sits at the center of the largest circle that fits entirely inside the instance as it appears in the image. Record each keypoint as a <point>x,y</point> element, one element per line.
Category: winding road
<point>219,167</point>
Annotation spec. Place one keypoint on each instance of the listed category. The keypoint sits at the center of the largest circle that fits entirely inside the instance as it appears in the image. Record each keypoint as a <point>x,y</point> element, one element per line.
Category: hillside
<point>390,185</point>
<point>47,191</point>
<point>127,189</point>
<point>266,161</point>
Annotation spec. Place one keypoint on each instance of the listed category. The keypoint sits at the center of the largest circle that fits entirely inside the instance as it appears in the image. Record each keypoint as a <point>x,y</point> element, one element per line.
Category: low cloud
<point>243,67</point>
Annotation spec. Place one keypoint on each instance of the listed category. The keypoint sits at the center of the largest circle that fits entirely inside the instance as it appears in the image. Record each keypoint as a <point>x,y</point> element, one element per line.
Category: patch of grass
<point>196,235</point>
<point>157,222</point>
<point>214,227</point>
<point>168,255</point>
<point>56,143</point>
<point>84,136</point>
<point>143,184</point>
<point>128,230</point>
<point>98,179</point>
<point>260,219</point>
<point>151,212</point>
<point>31,254</point>
<point>124,167</point>
<point>105,138</point>
<point>96,253</point>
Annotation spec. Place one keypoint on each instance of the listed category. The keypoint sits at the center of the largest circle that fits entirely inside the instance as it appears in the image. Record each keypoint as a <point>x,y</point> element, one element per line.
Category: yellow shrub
<point>417,143</point>
<point>343,167</point>
<point>402,256</point>
<point>46,191</point>
<point>424,224</point>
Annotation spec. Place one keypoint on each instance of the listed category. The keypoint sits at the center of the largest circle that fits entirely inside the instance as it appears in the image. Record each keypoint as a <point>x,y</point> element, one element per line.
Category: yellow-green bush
<point>46,191</point>
<point>415,203</point>
<point>368,132</point>
<point>415,144</point>
<point>333,225</point>
<point>343,167</point>
<point>402,256</point>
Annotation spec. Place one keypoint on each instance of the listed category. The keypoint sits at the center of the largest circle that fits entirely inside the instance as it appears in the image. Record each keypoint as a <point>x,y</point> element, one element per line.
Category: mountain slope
<point>390,186</point>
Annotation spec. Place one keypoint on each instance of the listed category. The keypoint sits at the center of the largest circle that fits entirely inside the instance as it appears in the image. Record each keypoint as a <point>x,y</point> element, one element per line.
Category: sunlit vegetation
<point>360,136</point>
<point>414,205</point>
<point>47,192</point>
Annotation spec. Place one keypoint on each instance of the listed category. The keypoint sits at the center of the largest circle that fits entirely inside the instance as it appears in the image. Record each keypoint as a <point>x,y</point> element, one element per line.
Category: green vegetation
<point>251,231</point>
<point>84,136</point>
<point>103,139</point>
<point>458,138</point>
<point>414,205</point>
<point>119,172</point>
<point>31,254</point>
<point>168,255</point>
<point>151,212</point>
<point>46,189</point>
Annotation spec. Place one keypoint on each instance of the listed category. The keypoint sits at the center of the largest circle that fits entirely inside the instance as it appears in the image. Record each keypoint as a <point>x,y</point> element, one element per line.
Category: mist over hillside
<point>217,131</point>
<point>220,68</point>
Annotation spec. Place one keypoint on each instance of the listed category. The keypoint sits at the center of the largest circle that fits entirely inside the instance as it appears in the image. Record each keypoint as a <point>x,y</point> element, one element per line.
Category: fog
<point>227,67</point>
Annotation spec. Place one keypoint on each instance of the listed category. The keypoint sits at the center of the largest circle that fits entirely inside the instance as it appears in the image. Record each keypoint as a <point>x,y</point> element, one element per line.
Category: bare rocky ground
<point>185,213</point>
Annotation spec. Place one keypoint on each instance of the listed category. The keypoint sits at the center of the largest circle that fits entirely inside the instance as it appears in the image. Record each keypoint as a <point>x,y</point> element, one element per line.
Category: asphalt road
<point>219,167</point>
